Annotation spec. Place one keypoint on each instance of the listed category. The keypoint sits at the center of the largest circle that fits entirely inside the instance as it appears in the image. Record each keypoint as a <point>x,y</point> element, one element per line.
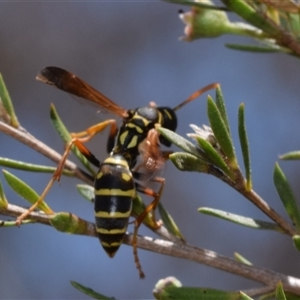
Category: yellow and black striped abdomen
<point>114,191</point>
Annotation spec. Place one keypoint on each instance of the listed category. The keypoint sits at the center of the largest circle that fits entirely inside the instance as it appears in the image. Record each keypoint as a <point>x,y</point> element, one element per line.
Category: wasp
<point>116,181</point>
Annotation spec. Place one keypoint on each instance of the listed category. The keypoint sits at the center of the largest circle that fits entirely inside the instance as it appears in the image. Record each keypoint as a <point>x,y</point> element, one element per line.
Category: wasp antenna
<point>196,95</point>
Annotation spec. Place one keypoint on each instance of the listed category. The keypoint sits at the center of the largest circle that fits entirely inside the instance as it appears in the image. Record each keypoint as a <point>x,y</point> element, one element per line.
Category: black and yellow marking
<point>136,122</point>
<point>114,191</point>
<point>114,184</point>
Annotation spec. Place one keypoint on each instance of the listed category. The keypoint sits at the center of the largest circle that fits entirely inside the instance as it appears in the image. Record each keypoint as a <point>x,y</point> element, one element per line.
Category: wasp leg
<point>55,177</point>
<point>86,152</point>
<point>86,135</point>
<point>152,206</point>
<point>135,253</point>
<point>139,220</point>
<point>57,174</point>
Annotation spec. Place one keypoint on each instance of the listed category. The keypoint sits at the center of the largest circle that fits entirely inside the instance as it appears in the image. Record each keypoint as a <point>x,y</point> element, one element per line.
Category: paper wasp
<point>115,183</point>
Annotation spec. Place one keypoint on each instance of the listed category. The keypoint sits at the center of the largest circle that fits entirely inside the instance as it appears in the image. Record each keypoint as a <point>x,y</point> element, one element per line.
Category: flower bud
<point>211,23</point>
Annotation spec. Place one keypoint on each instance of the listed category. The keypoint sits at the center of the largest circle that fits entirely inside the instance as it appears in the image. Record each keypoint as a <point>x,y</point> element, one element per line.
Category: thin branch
<point>24,137</point>
<point>186,251</point>
<point>257,201</point>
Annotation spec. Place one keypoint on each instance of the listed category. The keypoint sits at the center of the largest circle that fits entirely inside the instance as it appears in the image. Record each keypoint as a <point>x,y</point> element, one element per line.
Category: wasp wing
<point>70,83</point>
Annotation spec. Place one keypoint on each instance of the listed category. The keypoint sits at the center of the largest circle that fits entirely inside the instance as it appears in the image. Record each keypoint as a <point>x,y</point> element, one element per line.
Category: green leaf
<point>294,155</point>
<point>200,293</point>
<point>245,297</point>
<point>179,141</point>
<point>296,240</point>
<point>242,259</point>
<point>86,191</point>
<point>248,13</point>
<point>20,165</point>
<point>294,23</point>
<point>256,49</point>
<point>66,137</point>
<point>89,292</point>
<point>245,146</point>
<point>170,288</point>
<point>188,162</point>
<point>220,131</point>
<point>7,103</point>
<point>221,107</point>
<point>69,223</point>
<point>213,155</point>
<point>169,222</point>
<point>25,191</point>
<point>279,292</point>
<point>286,195</point>
<point>3,200</point>
<point>241,220</point>
<point>197,4</point>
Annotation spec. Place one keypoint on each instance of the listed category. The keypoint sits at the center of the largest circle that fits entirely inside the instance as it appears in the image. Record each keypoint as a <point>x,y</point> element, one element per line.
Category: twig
<point>24,137</point>
<point>257,201</point>
<point>186,251</point>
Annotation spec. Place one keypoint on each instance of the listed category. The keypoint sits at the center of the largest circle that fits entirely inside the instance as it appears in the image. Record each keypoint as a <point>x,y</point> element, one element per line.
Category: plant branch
<point>181,250</point>
<point>29,140</point>
<point>261,20</point>
<point>257,201</point>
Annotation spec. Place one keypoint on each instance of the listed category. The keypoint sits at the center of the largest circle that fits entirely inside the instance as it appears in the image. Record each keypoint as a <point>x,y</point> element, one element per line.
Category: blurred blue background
<point>130,52</point>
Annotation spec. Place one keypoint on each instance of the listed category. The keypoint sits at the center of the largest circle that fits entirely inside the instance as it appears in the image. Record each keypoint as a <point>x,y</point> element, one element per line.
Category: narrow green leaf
<point>188,162</point>
<point>245,297</point>
<point>7,103</point>
<point>170,288</point>
<point>279,292</point>
<point>271,296</point>
<point>89,292</point>
<point>221,107</point>
<point>245,146</point>
<point>291,296</point>
<point>197,4</point>
<point>3,200</point>
<point>66,137</point>
<point>213,155</point>
<point>179,141</point>
<point>25,191</point>
<point>220,131</point>
<point>294,22</point>
<point>248,13</point>
<point>241,220</point>
<point>86,191</point>
<point>242,259</point>
<point>69,223</point>
<point>4,116</point>
<point>286,195</point>
<point>59,125</point>
<point>268,296</point>
<point>169,222</point>
<point>294,155</point>
<point>20,165</point>
<point>200,293</point>
<point>296,240</point>
<point>256,49</point>
<point>14,223</point>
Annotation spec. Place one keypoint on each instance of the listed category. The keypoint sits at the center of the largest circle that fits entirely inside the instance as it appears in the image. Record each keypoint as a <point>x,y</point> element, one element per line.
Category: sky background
<point>130,52</point>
